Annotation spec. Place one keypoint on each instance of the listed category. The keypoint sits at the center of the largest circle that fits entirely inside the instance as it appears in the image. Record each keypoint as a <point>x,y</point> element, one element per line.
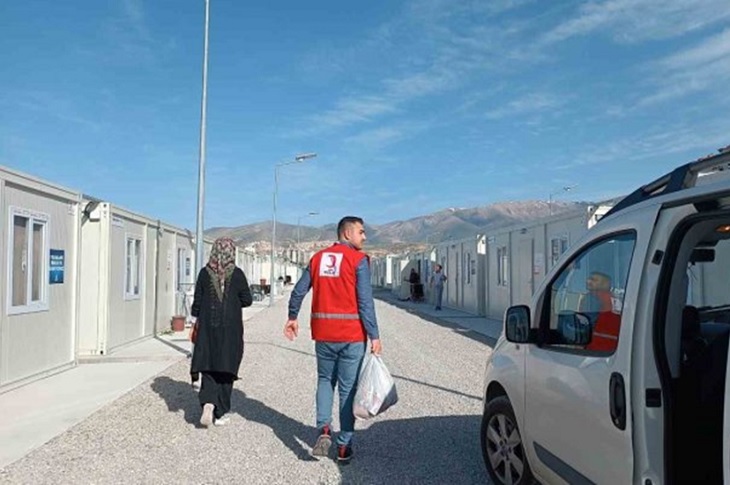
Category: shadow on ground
<point>179,396</point>
<point>439,449</point>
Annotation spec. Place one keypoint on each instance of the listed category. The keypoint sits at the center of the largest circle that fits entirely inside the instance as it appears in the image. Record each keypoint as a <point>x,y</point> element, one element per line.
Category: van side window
<point>592,285</point>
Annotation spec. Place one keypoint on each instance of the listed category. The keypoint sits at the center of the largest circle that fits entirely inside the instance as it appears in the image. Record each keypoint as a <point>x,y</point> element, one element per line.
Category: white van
<point>616,372</point>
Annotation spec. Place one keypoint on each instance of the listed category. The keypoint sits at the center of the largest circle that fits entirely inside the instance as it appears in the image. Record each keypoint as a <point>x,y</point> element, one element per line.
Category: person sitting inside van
<point>598,305</point>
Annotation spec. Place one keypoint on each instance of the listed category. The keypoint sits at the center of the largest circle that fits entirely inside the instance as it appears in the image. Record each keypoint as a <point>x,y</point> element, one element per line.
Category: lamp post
<point>299,238</point>
<point>299,223</point>
<point>199,244</point>
<point>567,188</point>
<point>298,159</point>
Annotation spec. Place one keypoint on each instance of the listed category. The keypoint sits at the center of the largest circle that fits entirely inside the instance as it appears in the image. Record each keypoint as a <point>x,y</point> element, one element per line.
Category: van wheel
<point>502,448</point>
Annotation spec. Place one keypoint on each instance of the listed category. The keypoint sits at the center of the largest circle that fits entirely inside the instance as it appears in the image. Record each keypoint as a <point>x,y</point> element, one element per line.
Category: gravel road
<point>150,435</point>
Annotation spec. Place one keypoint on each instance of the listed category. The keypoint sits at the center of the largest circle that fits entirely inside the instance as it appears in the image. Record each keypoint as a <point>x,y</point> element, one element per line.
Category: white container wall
<point>518,257</point>
<point>39,291</point>
<point>461,261</point>
<point>398,264</point>
<point>84,277</point>
<point>378,272</point>
<point>498,274</point>
<point>184,274</point>
<point>175,257</point>
<point>118,299</point>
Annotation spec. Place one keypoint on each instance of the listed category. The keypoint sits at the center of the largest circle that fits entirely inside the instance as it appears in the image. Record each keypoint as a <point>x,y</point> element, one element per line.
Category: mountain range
<point>446,224</point>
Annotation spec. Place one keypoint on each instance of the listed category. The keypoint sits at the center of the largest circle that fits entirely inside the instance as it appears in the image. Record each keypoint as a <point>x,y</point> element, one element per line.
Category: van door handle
<point>617,400</point>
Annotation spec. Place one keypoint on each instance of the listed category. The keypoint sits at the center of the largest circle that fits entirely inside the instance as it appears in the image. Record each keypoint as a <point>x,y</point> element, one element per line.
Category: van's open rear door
<point>726,429</point>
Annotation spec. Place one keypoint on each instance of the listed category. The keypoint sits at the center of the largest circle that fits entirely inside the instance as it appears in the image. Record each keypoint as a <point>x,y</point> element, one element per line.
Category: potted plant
<point>178,323</point>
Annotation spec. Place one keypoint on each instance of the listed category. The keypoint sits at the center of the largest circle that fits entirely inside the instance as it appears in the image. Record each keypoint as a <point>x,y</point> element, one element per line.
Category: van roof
<point>699,172</point>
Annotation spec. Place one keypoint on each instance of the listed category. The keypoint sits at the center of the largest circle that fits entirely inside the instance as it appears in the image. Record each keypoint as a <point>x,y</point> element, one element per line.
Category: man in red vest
<point>599,305</point>
<point>343,318</point>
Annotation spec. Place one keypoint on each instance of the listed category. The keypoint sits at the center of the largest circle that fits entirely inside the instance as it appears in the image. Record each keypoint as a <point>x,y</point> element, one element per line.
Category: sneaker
<point>324,441</point>
<point>222,421</point>
<point>344,453</point>
<point>207,418</point>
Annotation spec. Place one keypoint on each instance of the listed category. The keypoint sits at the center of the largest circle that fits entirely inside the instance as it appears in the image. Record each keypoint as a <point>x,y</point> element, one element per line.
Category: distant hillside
<point>429,229</point>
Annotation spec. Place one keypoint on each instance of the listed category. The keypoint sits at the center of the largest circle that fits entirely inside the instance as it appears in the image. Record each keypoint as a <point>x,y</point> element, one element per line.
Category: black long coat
<point>219,345</point>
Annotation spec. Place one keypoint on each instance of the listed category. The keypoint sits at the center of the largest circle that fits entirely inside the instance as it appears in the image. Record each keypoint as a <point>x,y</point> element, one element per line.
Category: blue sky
<point>412,106</point>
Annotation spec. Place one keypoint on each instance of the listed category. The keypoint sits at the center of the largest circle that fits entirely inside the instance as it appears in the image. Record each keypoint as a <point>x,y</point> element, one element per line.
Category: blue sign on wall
<point>57,266</point>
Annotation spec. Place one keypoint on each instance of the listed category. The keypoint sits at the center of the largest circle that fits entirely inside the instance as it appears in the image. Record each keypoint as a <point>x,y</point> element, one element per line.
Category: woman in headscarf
<point>221,291</point>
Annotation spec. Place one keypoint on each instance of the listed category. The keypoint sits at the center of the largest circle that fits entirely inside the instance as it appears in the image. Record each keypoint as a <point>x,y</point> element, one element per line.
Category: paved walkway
<point>36,413</point>
<point>150,434</point>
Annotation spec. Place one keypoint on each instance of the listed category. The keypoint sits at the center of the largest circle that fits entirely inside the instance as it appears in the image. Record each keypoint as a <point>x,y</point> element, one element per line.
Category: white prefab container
<point>207,248</point>
<point>185,273</point>
<point>461,261</point>
<point>246,260</point>
<point>39,245</point>
<point>377,272</point>
<point>118,271</point>
<point>175,256</point>
<point>398,264</point>
<point>389,271</point>
<point>519,256</point>
<point>499,275</point>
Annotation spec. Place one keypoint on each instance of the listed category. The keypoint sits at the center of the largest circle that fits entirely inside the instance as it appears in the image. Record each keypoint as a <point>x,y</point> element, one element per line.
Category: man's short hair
<point>346,221</point>
<point>601,274</point>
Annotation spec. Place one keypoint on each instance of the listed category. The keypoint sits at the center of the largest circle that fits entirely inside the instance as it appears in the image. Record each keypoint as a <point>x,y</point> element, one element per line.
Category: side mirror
<point>574,329</point>
<point>517,325</point>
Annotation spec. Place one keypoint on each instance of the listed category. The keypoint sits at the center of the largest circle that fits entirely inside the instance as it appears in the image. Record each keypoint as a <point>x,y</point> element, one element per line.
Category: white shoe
<point>222,421</point>
<point>207,418</point>
<point>196,386</point>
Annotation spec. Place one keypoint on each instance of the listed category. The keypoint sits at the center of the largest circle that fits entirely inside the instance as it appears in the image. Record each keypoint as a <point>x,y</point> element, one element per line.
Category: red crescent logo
<point>333,261</point>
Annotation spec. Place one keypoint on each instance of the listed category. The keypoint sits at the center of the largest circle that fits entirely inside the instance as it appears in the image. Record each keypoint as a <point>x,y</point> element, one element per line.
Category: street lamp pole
<point>299,223</point>
<point>298,159</point>
<point>299,238</point>
<point>567,188</point>
<point>199,244</point>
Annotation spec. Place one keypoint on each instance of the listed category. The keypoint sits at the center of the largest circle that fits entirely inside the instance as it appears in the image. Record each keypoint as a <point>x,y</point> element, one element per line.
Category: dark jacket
<point>219,346</point>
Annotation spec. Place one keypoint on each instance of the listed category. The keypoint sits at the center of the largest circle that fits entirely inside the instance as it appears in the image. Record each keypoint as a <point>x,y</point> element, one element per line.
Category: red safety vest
<point>335,316</point>
<point>607,327</point>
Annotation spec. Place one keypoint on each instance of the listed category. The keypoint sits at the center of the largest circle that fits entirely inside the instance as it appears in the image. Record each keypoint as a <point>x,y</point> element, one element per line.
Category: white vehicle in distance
<point>616,371</point>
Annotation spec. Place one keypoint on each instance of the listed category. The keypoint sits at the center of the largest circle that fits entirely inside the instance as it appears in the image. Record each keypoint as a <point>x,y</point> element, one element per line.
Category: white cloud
<point>703,67</point>
<point>377,138</point>
<point>528,104</point>
<point>353,110</point>
<point>711,49</point>
<point>638,20</point>
<point>670,141</point>
<point>384,136</point>
<point>54,106</point>
<point>130,39</point>
<point>432,47</point>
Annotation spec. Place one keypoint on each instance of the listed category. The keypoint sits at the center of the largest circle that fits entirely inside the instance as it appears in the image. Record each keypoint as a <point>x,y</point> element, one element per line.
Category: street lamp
<point>299,238</point>
<point>567,188</point>
<point>299,223</point>
<point>297,159</point>
<point>199,244</point>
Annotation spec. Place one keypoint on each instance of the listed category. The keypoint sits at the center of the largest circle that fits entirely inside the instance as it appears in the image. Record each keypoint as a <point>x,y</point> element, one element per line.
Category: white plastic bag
<point>375,389</point>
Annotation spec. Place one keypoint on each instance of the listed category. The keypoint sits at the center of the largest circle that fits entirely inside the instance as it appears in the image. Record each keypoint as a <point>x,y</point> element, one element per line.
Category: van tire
<point>508,456</point>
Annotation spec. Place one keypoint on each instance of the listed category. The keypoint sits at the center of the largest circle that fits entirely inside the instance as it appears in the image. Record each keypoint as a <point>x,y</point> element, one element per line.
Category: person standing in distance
<point>437,284</point>
<point>343,318</point>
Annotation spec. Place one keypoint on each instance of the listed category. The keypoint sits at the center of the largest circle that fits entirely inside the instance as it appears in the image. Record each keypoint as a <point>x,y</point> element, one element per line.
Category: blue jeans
<point>338,364</point>
<point>439,290</point>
